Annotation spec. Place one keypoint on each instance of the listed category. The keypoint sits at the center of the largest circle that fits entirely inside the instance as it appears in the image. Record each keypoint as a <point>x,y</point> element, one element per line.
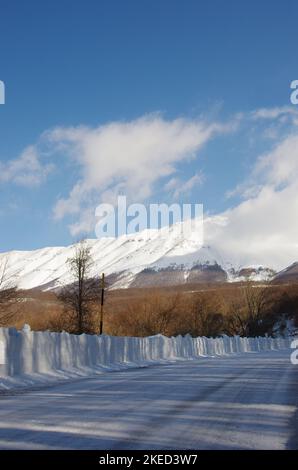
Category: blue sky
<point>168,68</point>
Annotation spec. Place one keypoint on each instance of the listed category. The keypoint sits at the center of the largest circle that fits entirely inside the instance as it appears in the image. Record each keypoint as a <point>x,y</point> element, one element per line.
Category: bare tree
<point>8,296</point>
<point>237,318</point>
<point>249,313</point>
<point>257,300</point>
<point>205,317</point>
<point>80,296</point>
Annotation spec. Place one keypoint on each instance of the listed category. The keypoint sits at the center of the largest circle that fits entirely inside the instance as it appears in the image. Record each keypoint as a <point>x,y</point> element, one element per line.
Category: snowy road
<point>241,402</point>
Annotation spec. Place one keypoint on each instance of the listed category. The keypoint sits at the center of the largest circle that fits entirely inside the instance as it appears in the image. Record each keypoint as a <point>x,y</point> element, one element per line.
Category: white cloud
<point>276,168</point>
<point>274,113</point>
<point>84,224</point>
<point>180,188</point>
<point>281,165</point>
<point>128,158</point>
<point>27,170</point>
<point>263,229</point>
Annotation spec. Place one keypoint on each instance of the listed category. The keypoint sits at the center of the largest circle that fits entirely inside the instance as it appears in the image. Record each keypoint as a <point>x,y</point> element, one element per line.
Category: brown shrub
<point>199,311</point>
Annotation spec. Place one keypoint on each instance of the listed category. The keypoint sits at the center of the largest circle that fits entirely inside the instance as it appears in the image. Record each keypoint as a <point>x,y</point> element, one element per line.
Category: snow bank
<point>30,357</point>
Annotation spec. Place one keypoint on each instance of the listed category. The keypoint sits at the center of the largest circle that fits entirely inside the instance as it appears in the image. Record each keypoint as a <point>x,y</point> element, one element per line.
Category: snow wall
<point>28,352</point>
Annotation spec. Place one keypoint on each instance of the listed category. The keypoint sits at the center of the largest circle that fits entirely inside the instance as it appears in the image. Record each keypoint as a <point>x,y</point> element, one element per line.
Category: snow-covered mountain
<point>151,257</point>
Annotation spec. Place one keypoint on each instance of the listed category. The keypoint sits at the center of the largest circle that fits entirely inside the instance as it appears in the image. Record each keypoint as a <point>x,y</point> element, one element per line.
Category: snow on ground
<point>40,357</point>
<point>238,401</point>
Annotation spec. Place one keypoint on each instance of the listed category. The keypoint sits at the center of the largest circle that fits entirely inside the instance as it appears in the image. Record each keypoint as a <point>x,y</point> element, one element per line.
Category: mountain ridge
<point>151,257</point>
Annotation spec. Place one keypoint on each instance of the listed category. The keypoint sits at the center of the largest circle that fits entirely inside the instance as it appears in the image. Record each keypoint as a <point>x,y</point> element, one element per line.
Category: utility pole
<point>102,302</point>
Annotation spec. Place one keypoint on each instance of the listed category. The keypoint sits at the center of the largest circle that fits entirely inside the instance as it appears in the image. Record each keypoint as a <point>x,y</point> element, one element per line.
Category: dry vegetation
<point>246,309</point>
<point>9,298</point>
<point>243,308</point>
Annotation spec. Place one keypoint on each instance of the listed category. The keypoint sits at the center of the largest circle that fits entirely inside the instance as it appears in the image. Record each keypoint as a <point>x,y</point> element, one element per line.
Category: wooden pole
<point>101,303</point>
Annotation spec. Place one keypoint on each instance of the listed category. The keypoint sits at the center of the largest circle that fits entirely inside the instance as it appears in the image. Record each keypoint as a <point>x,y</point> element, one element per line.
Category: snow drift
<point>32,357</point>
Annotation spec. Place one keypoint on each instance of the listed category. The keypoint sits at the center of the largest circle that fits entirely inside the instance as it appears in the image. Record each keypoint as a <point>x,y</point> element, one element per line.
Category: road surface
<point>240,402</point>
